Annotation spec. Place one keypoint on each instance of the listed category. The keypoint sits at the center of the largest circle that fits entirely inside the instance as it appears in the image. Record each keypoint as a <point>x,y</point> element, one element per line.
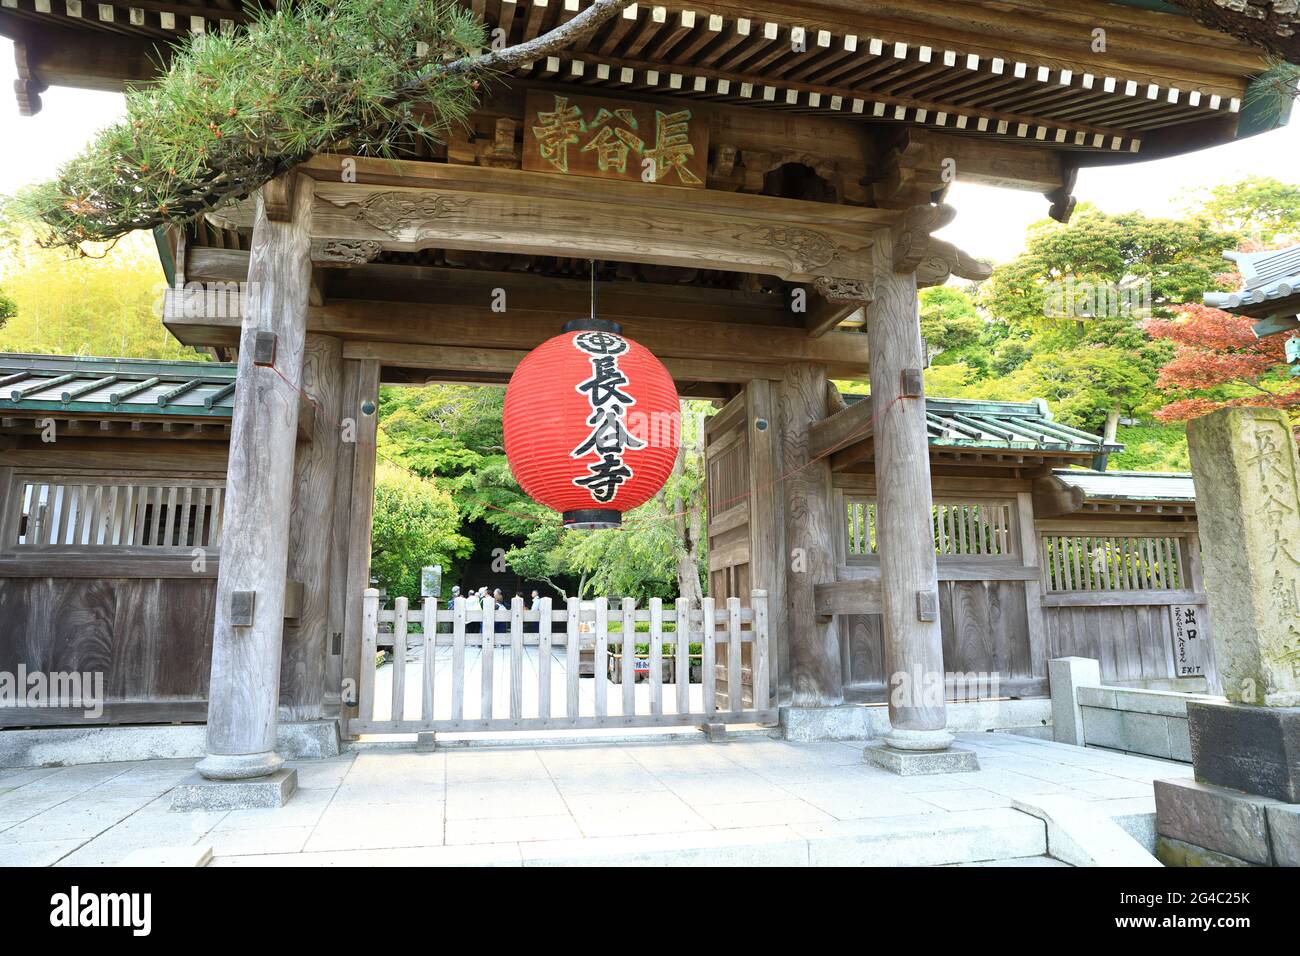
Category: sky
<point>990,223</point>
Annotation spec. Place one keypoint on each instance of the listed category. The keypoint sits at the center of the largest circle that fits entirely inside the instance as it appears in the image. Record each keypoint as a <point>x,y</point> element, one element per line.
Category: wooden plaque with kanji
<point>615,139</point>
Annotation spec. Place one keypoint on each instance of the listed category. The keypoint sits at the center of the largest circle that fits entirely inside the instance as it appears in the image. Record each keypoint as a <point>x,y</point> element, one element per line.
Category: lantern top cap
<point>590,324</point>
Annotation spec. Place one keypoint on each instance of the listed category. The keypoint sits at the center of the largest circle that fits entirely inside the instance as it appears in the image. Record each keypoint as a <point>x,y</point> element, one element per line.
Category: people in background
<point>492,601</point>
<point>445,627</point>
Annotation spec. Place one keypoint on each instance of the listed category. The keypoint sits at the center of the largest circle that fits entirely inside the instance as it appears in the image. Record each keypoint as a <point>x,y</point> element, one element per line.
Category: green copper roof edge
<point>1157,6</point>
<point>218,371</point>
<point>1023,445</point>
<point>974,406</point>
<point>127,408</point>
<point>165,257</point>
<point>1122,474</point>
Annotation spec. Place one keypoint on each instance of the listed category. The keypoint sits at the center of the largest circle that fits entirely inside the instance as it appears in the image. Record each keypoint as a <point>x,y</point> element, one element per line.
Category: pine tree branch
<point>512,57</point>
<point>125,180</point>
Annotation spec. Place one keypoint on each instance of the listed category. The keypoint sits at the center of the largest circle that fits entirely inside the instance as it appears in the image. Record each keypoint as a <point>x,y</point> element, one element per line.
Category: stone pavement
<point>750,801</point>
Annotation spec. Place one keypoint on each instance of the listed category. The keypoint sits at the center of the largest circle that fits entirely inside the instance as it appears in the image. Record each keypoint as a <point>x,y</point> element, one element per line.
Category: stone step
<point>1018,861</point>
<point>930,839</point>
<point>999,837</point>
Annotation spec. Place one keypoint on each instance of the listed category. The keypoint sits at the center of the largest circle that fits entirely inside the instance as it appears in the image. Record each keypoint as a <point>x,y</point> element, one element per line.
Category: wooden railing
<point>1078,562</point>
<point>107,512</point>
<point>550,668</point>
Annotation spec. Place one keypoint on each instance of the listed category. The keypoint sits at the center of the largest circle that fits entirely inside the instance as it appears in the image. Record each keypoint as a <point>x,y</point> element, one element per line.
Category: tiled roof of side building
<point>1130,485</point>
<point>1270,289</point>
<point>966,423</point>
<point>116,386</point>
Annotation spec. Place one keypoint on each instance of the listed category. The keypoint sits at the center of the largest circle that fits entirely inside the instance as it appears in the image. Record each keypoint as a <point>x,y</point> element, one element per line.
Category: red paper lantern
<point>592,424</point>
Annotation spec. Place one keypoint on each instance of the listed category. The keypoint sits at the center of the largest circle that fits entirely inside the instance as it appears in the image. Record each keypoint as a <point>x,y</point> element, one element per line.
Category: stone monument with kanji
<point>1244,806</point>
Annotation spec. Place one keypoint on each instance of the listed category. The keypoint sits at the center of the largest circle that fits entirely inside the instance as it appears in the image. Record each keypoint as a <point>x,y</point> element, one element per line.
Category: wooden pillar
<point>339,531</point>
<point>914,675</point>
<point>307,642</point>
<point>363,413</point>
<point>767,525</point>
<point>243,693</point>
<point>814,654</point>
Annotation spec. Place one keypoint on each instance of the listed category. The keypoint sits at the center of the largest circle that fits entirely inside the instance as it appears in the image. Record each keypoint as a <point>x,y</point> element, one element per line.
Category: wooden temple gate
<point>777,243</point>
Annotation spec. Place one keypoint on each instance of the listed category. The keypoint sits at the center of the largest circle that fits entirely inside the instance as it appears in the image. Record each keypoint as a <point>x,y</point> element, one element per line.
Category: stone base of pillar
<point>922,740</point>
<point>865,722</point>
<point>426,743</point>
<point>911,763</point>
<point>196,792</point>
<point>239,766</point>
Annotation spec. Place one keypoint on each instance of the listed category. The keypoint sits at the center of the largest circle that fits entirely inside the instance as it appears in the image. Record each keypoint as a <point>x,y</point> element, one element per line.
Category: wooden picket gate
<point>526,666</point>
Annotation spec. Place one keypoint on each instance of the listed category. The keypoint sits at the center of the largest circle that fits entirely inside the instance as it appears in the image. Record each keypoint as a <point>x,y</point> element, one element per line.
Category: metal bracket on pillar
<point>911,383</point>
<point>927,605</point>
<point>264,348</point>
<point>241,608</point>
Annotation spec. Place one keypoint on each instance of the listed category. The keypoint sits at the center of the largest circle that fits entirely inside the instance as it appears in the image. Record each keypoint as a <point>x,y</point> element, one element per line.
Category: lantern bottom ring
<point>593,518</point>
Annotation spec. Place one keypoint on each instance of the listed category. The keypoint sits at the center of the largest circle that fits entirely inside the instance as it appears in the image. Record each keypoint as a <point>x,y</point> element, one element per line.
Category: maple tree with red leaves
<point>1218,353</point>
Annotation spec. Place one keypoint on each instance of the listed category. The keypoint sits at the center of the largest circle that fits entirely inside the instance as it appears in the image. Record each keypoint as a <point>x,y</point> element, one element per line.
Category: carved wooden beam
<point>1062,197</point>
<point>944,260</point>
<point>503,210</point>
<point>28,87</point>
<point>933,260</point>
<point>344,252</point>
<point>471,319</point>
<point>836,300</point>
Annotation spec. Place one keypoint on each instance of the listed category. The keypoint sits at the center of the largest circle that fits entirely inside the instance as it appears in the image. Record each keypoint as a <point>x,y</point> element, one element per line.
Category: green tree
<point>1259,207</point>
<point>1180,259</point>
<point>453,434</point>
<point>234,109</point>
<point>949,322</point>
<point>659,551</point>
<point>416,523</point>
<point>106,305</point>
<point>1073,304</point>
<point>8,309</point>
<point>1083,384</point>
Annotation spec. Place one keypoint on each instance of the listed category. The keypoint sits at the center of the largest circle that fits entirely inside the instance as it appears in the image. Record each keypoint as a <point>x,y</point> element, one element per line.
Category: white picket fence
<point>523,666</point>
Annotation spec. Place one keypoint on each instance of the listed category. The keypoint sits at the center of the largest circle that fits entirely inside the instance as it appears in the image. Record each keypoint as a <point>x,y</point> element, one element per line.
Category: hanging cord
<point>593,287</point>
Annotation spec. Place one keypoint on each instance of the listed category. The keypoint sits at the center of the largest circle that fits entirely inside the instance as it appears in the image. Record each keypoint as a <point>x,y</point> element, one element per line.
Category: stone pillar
<point>1065,676</point>
<point>815,676</point>
<point>244,690</point>
<point>1247,477</point>
<point>914,674</point>
<point>1244,806</point>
